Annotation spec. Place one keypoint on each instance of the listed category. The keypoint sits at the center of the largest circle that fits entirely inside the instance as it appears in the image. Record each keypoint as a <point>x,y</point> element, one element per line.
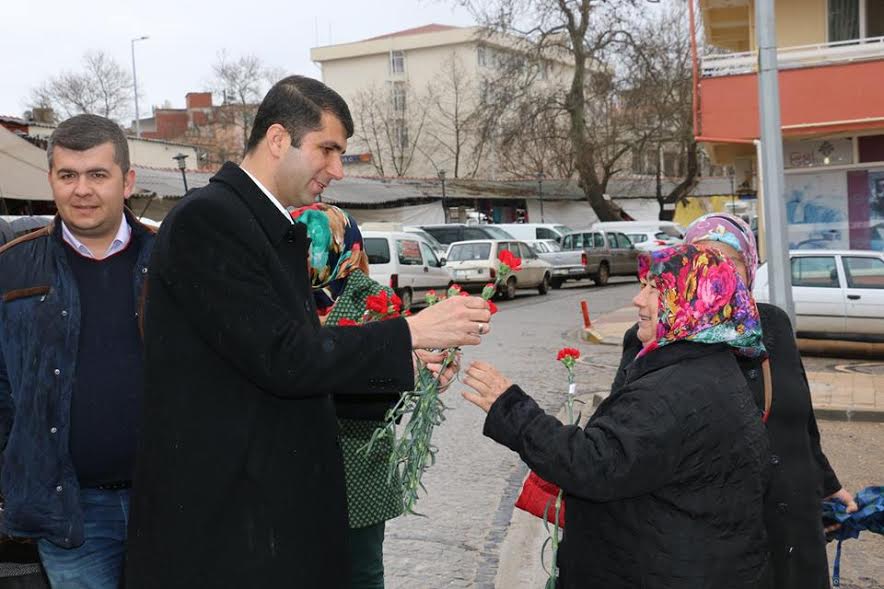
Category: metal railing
<point>730,64</point>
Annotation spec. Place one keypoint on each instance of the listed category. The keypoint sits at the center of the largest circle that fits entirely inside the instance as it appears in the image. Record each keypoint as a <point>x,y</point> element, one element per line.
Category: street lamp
<point>540,193</point>
<point>441,175</point>
<point>181,165</point>
<point>135,85</point>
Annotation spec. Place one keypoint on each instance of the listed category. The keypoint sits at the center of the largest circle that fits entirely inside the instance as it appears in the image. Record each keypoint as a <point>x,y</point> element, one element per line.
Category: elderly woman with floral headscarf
<point>339,275</point>
<point>800,473</point>
<point>664,485</point>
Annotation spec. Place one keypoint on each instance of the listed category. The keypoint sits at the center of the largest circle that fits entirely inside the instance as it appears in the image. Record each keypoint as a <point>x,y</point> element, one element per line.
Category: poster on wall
<point>817,211</point>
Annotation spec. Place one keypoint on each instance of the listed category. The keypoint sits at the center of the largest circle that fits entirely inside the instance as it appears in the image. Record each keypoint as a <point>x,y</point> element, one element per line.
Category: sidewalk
<point>851,390</point>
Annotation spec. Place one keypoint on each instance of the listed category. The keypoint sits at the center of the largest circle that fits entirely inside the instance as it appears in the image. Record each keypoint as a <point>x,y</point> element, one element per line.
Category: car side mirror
<point>442,262</point>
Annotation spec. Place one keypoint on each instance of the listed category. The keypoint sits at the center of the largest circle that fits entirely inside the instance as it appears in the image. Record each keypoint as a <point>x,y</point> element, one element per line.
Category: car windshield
<point>637,237</point>
<point>563,229</point>
<point>496,232</point>
<point>461,252</point>
<point>553,246</point>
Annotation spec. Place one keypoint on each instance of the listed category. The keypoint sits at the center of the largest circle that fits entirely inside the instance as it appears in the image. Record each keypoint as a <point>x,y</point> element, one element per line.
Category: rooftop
<point>431,28</point>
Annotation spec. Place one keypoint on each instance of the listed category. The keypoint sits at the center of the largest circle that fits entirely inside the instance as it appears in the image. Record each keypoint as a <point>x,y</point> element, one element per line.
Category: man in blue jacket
<point>71,361</point>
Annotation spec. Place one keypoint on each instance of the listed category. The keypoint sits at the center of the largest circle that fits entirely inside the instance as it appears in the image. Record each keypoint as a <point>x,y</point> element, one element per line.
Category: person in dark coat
<point>664,486</point>
<point>239,480</point>
<point>801,475</point>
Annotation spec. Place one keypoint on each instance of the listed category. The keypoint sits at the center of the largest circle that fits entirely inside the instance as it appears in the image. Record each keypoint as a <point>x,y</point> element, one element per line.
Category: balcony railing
<point>730,64</point>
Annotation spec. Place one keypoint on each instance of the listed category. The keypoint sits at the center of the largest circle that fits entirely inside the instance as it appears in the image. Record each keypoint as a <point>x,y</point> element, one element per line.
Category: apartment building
<point>831,60</point>
<point>415,95</point>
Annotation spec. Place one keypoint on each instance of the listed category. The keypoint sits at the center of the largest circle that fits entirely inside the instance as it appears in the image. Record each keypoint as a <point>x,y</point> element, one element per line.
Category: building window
<point>397,62</point>
<point>398,97</point>
<point>855,19</point>
<point>843,20</point>
<point>481,56</point>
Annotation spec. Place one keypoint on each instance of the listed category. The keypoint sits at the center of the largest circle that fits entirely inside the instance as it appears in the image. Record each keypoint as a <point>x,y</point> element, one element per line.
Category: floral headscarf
<point>730,230</point>
<point>701,299</point>
<point>336,250</point>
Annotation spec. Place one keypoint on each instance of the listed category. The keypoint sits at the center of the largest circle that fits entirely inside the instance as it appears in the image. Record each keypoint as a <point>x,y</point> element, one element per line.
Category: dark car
<point>451,232</point>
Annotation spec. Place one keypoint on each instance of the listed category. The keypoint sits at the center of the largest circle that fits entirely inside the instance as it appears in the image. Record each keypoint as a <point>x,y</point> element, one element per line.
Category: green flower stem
<point>413,452</point>
<point>554,536</point>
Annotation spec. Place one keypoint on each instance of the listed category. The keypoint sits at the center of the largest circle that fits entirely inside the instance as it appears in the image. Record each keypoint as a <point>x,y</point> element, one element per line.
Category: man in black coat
<point>239,479</point>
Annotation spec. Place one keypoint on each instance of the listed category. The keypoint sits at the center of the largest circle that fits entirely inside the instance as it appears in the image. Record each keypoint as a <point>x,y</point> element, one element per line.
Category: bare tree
<point>588,33</point>
<point>660,69</point>
<point>241,82</point>
<point>102,87</point>
<point>390,122</point>
<point>455,115</point>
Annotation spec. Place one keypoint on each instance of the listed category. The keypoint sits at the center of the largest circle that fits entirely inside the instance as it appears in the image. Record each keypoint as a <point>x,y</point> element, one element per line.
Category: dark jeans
<point>98,563</point>
<point>367,557</point>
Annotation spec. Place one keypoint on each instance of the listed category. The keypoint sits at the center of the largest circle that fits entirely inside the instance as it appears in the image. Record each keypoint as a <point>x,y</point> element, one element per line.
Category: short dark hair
<point>82,132</point>
<point>297,103</point>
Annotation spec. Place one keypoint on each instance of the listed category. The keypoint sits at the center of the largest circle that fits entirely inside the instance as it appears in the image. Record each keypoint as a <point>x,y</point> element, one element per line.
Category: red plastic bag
<point>538,497</point>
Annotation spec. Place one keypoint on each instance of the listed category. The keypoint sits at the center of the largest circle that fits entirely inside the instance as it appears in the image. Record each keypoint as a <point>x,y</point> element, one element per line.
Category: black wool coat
<point>239,478</point>
<point>800,472</point>
<point>663,487</point>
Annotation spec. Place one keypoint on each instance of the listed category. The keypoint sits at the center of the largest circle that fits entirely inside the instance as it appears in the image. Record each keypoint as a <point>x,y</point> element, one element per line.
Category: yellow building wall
<point>799,22</point>
<point>693,208</point>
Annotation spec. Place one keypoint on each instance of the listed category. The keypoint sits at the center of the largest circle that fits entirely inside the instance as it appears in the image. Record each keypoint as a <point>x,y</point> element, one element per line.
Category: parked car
<point>531,232</point>
<point>473,264</point>
<point>451,232</point>
<point>565,264</point>
<point>439,248</point>
<point>650,240</point>
<point>599,254</point>
<point>406,263</point>
<point>670,227</point>
<point>838,293</point>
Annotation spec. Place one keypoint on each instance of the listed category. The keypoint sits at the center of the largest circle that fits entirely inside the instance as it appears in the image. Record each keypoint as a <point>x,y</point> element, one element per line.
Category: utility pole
<point>135,86</point>
<point>771,161</point>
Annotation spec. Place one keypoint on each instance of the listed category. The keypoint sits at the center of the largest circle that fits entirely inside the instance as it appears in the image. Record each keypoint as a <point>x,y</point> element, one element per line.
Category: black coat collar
<point>670,354</point>
<point>268,216</point>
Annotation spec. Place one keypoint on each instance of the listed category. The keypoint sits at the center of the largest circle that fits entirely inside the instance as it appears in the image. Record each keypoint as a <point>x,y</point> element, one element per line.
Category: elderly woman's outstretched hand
<point>488,383</point>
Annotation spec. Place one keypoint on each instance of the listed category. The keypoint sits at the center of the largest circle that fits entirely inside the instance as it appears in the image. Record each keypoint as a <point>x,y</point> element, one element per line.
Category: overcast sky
<point>41,39</point>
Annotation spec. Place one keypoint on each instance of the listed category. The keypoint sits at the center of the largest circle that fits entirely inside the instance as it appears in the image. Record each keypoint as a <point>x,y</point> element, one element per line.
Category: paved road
<point>472,487</point>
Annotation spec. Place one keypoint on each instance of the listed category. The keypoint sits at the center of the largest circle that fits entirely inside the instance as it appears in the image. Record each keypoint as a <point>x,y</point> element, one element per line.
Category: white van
<point>406,263</point>
<point>535,231</point>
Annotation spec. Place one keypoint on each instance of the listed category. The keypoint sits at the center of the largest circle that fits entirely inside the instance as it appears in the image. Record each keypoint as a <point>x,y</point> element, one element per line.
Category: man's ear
<point>128,183</point>
<point>278,140</point>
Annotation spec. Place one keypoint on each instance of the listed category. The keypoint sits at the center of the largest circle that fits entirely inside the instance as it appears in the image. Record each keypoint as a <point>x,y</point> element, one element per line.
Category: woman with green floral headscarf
<point>339,274</point>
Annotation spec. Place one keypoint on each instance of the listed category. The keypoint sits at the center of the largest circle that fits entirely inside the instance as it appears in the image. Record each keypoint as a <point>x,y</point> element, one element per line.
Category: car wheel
<point>601,277</point>
<point>509,292</point>
<point>544,285</point>
<point>556,283</point>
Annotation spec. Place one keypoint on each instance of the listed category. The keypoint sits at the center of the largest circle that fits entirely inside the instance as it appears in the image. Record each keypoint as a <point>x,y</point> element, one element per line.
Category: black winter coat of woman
<point>800,474</point>
<point>664,486</point>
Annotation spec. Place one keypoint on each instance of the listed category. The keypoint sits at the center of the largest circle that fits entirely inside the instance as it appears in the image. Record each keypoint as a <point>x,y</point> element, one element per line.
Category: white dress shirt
<point>121,240</point>
<point>269,195</point>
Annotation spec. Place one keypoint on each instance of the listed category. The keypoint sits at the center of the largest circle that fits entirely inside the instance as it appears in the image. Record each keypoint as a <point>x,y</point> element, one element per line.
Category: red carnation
<point>347,323</point>
<point>378,303</point>
<point>564,353</point>
<point>396,302</point>
<point>508,259</point>
<point>492,307</point>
